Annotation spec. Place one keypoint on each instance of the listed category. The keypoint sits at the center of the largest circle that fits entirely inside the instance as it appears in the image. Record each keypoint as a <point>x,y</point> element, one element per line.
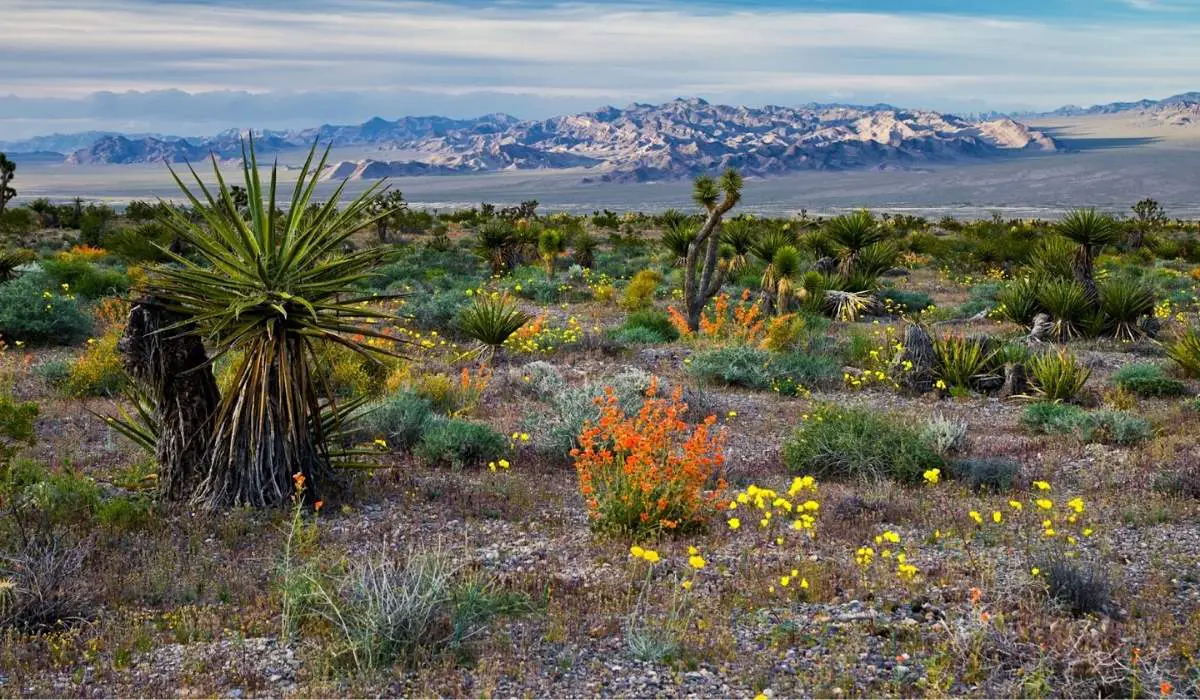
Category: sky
<point>193,67</point>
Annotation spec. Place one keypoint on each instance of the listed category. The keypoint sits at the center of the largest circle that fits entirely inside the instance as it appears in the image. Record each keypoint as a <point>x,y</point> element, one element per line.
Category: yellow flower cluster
<point>1068,519</point>
<point>540,337</point>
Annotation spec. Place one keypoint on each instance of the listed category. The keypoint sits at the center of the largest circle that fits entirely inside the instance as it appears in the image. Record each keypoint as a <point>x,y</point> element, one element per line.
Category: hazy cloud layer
<point>192,67</point>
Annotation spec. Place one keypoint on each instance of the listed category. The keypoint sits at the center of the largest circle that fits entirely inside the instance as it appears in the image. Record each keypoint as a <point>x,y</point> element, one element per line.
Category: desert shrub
<point>11,262</point>
<point>33,312</point>
<point>491,319</point>
<point>16,427</point>
<point>844,443</point>
<point>98,372</point>
<point>1051,418</point>
<point>1183,483</point>
<point>755,368</point>
<point>1082,587</point>
<point>126,513</point>
<point>349,373</point>
<point>144,243</point>
<point>638,335</point>
<point>434,309</point>
<point>54,372</point>
<point>47,589</point>
<point>905,300</point>
<point>656,321</point>
<point>1053,258</point>
<point>1145,379</point>
<point>649,472</point>
<point>1058,375</point>
<point>85,278</point>
<point>945,435</point>
<point>1115,427</point>
<point>994,474</point>
<point>557,428</point>
<point>1184,349</point>
<point>400,419</point>
<point>639,294</point>
<point>460,444</point>
<point>784,332</point>
<point>453,395</point>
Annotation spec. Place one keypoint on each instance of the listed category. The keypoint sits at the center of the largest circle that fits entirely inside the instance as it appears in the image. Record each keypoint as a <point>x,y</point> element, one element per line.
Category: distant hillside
<point>641,142</point>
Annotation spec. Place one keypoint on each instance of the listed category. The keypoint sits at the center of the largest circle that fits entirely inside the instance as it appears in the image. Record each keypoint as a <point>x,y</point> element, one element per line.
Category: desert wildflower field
<point>266,443</point>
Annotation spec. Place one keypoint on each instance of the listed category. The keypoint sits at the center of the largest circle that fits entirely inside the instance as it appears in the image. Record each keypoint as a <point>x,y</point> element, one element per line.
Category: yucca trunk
<point>1082,266</point>
<point>264,432</point>
<point>171,362</point>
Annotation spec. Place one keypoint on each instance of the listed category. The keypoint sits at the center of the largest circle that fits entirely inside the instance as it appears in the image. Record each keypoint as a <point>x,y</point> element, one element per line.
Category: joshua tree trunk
<point>702,258</point>
<point>918,352</point>
<point>381,229</point>
<point>173,365</point>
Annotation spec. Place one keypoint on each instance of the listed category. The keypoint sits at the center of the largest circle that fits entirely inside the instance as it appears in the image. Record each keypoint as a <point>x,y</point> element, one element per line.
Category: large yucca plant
<point>740,235</point>
<point>852,233</point>
<point>1018,301</point>
<point>676,238</point>
<point>1066,302</point>
<point>1123,302</point>
<point>1091,231</point>
<point>496,242</point>
<point>1058,375</point>
<point>10,260</point>
<point>961,361</point>
<point>270,287</point>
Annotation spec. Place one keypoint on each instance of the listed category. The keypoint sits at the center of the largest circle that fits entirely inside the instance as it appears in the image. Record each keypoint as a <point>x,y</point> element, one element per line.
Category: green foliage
<point>491,319</point>
<point>1019,301</point>
<point>496,243</point>
<point>854,232</point>
<point>401,419</point>
<point>460,444</point>
<point>16,426</point>
<point>1184,349</point>
<point>143,243</point>
<point>1089,228</point>
<point>961,361</point>
<point>639,294</point>
<point>35,312</point>
<point>1115,427</point>
<point>638,335</point>
<point>266,286</point>
<point>1057,375</point>
<point>93,227</point>
<point>995,474</point>
<point>656,321</point>
<point>755,368</point>
<point>906,300</point>
<point>1145,379</point>
<point>85,278</point>
<point>10,260</point>
<point>1052,259</point>
<point>1051,418</point>
<point>853,443</point>
<point>1124,301</point>
<point>1066,302</point>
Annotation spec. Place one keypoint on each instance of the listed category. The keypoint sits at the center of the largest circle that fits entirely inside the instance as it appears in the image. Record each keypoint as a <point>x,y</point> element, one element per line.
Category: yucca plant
<point>270,287</point>
<point>875,259</point>
<point>740,235</point>
<point>10,260</point>
<point>495,242</point>
<point>490,320</point>
<point>847,306</point>
<point>1185,351</point>
<point>852,233</point>
<point>583,249</point>
<point>1123,301</point>
<point>1057,375</point>
<point>960,361</point>
<point>785,265</point>
<point>1018,301</point>
<point>1066,302</point>
<point>676,238</point>
<point>1091,231</point>
<point>1052,258</point>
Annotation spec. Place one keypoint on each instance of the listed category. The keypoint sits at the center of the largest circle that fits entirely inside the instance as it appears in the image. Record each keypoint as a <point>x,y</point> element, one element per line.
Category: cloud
<point>273,62</point>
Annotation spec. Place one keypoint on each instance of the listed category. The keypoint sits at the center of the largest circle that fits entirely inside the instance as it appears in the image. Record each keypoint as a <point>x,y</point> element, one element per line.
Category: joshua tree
<point>387,207</point>
<point>8,171</point>
<point>1149,215</point>
<point>270,289</point>
<point>551,243</point>
<point>702,271</point>
<point>1091,232</point>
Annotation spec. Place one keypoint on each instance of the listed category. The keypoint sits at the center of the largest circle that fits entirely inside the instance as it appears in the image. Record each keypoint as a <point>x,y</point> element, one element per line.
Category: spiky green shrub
<point>1083,588</point>
<point>10,260</point>
<point>1123,302</point>
<point>1052,259</point>
<point>496,242</point>
<point>853,443</point>
<point>676,238</point>
<point>490,320</point>
<point>1184,349</point>
<point>1058,375</point>
<point>961,361</point>
<point>1091,231</point>
<point>854,232</point>
<point>784,267</point>
<point>1018,301</point>
<point>1145,379</point>
<point>1067,304</point>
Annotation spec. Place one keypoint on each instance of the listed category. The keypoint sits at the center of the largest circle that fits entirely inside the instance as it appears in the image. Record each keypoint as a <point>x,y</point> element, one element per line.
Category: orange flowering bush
<point>741,322</point>
<point>647,473</point>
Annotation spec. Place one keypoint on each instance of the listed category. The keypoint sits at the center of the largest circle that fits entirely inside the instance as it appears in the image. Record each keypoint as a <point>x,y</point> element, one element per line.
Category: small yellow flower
<point>1035,571</point>
<point>1016,505</point>
<point>1045,503</point>
<point>976,517</point>
<point>785,580</point>
<point>651,556</point>
<point>932,476</point>
<point>504,464</point>
<point>732,414</point>
<point>997,516</point>
<point>696,561</point>
<point>687,585</point>
<point>734,523</point>
<point>382,444</point>
<point>1042,485</point>
<point>1076,504</point>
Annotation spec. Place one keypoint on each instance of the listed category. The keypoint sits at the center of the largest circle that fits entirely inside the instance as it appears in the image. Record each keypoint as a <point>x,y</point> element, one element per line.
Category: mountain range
<point>641,142</point>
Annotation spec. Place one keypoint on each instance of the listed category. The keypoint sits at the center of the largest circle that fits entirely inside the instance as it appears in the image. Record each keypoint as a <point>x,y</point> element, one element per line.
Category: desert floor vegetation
<point>499,451</point>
